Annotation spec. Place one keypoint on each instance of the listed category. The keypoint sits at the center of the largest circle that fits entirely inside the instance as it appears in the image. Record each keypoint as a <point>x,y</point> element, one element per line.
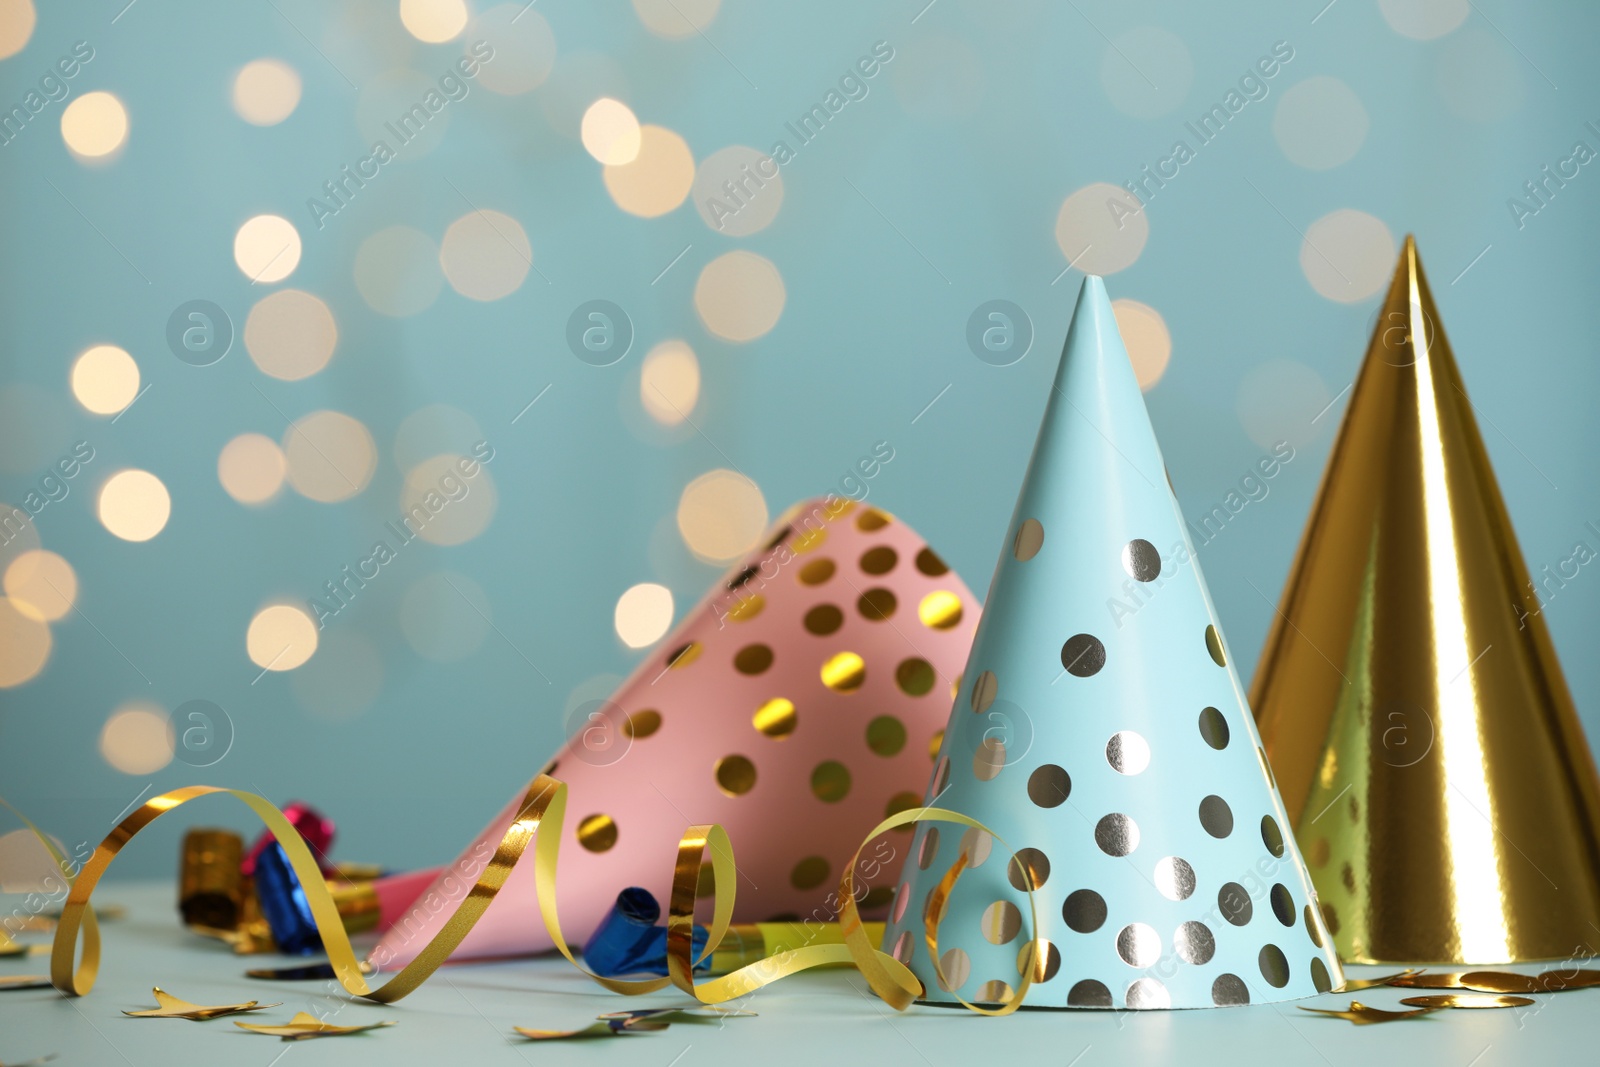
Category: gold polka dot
<point>824,619</point>
<point>984,691</point>
<point>935,743</point>
<point>753,659</point>
<point>1214,646</point>
<point>844,672</point>
<point>898,803</point>
<point>736,775</point>
<point>928,849</point>
<point>989,759</point>
<point>880,560</point>
<point>817,571</point>
<point>1000,922</point>
<point>683,655</point>
<point>940,610</point>
<point>641,724</point>
<point>929,563</point>
<point>747,608</point>
<point>876,605</point>
<point>830,781</point>
<point>809,540</point>
<point>872,519</point>
<point>955,967</point>
<point>776,718</point>
<point>941,776</point>
<point>809,873</point>
<point>597,833</point>
<point>1030,538</point>
<point>885,735</point>
<point>915,676</point>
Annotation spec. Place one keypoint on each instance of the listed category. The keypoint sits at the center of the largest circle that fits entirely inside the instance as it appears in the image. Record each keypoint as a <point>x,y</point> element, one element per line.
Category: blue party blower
<point>628,941</point>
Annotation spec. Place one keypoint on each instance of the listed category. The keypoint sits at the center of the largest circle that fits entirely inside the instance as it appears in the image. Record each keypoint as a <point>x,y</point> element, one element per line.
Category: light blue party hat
<point>1100,732</point>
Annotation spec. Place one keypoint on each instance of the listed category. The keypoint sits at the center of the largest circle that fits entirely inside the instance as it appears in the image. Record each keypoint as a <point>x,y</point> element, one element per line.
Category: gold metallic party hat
<point>1409,696</point>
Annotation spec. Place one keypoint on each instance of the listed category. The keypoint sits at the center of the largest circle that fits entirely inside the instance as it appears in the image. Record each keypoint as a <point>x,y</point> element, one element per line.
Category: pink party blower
<point>797,705</point>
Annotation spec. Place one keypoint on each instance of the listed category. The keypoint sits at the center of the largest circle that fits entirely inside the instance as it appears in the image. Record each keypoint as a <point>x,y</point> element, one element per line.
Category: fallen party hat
<point>1102,735</point>
<point>1409,695</point>
<point>797,705</point>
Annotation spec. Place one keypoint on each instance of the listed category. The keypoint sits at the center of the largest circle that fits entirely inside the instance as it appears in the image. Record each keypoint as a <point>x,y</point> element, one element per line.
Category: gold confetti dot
<point>830,781</point>
<point>817,571</point>
<point>809,873</point>
<point>823,619</point>
<point>876,605</point>
<point>753,659</point>
<point>940,610</point>
<point>776,718</point>
<point>880,560</point>
<point>898,803</point>
<point>736,775</point>
<point>915,676</point>
<point>885,735</point>
<point>641,724</point>
<point>844,672</point>
<point>597,833</point>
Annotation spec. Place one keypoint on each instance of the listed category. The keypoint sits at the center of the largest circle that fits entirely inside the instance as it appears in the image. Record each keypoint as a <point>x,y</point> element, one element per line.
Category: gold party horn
<point>1409,697</point>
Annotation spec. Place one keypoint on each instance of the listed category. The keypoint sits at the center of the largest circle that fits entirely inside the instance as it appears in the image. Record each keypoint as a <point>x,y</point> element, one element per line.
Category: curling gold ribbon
<point>544,805</point>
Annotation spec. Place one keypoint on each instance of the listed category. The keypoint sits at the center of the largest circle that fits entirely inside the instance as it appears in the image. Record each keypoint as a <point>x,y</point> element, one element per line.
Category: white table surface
<point>465,1014</point>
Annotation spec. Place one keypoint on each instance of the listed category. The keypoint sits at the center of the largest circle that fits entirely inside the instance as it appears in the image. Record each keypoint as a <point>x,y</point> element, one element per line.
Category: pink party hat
<point>797,705</point>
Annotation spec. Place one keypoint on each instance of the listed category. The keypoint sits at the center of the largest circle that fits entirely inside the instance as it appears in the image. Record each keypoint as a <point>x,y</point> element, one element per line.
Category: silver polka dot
<point>1030,538</point>
<point>1147,993</point>
<point>1127,752</point>
<point>990,759</point>
<point>1174,878</point>
<point>941,776</point>
<point>1141,560</point>
<point>1282,904</point>
<point>1049,785</point>
<point>1084,911</point>
<point>929,848</point>
<point>1116,834</point>
<point>1319,976</point>
<point>1089,994</point>
<point>1000,922</point>
<point>1083,655</point>
<point>976,844</point>
<point>1216,816</point>
<point>956,968</point>
<point>1229,989</point>
<point>1271,836</point>
<point>1234,903</point>
<point>984,691</point>
<point>1139,945</point>
<point>1274,966</point>
<point>903,947</point>
<point>1193,943</point>
<point>1214,728</point>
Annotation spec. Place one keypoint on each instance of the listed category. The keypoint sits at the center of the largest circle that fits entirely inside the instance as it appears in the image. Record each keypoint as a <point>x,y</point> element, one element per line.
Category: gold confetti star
<point>177,1008</point>
<point>305,1025</point>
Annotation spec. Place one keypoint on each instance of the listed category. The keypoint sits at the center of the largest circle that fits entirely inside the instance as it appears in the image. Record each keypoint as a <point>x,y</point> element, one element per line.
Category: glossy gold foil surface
<point>1409,696</point>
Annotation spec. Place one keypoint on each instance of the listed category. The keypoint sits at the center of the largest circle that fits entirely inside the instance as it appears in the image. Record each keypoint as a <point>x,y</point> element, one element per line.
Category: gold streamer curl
<point>543,805</point>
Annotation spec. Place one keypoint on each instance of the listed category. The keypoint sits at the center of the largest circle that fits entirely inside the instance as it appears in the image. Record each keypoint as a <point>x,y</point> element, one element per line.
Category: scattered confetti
<point>1353,984</point>
<point>1362,1015</point>
<point>1467,1000</point>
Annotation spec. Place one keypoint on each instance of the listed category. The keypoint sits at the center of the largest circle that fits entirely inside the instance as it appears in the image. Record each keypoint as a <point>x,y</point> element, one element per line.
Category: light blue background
<point>874,328</point>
